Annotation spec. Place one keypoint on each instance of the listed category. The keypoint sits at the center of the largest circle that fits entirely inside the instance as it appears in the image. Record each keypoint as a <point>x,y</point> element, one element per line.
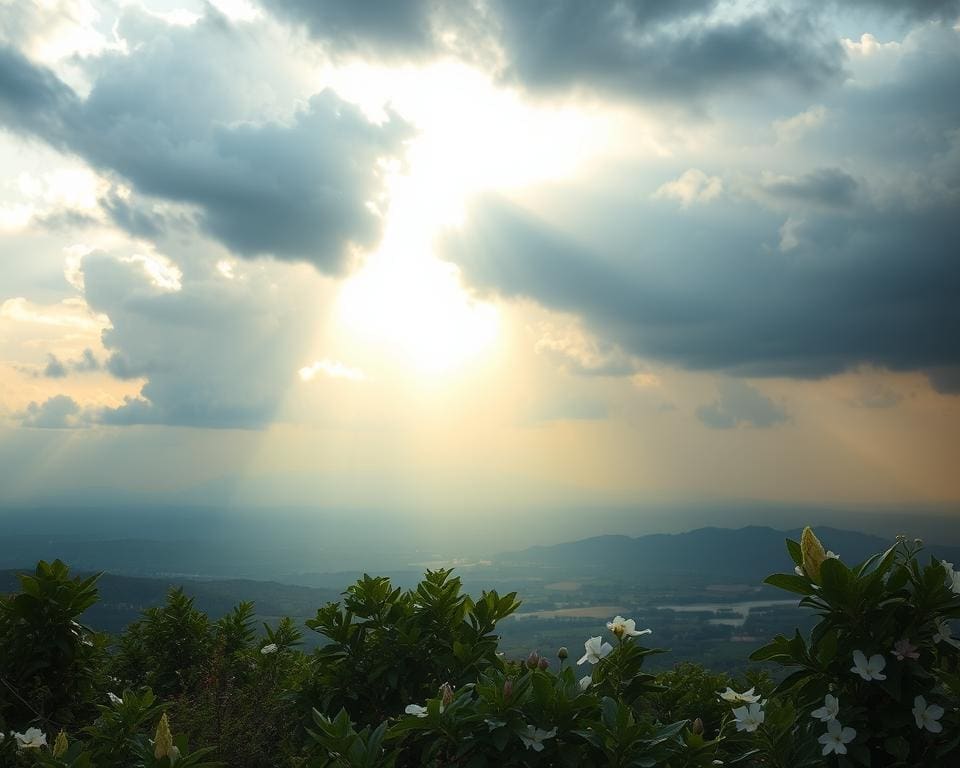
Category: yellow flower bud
<point>163,741</point>
<point>60,745</point>
<point>813,553</point>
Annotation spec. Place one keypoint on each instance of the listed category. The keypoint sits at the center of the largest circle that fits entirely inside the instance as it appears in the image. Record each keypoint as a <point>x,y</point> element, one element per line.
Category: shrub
<point>876,682</point>
<point>389,647</point>
<point>50,664</point>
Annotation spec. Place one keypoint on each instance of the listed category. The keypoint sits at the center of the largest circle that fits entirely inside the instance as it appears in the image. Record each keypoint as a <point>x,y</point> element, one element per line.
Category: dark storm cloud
<point>947,10</point>
<point>383,26</point>
<point>165,119</point>
<point>33,101</point>
<point>638,48</point>
<point>666,50</point>
<point>876,286</point>
<point>739,404</point>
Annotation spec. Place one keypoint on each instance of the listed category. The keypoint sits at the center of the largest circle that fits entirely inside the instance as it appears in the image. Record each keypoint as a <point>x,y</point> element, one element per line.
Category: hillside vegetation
<point>414,677</point>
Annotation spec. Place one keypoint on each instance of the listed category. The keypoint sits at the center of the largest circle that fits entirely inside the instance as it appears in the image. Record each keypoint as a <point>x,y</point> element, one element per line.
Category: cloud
<point>796,127</point>
<point>581,353</point>
<point>382,27</point>
<point>58,369</point>
<point>945,379</point>
<point>828,187</point>
<point>875,393</point>
<point>661,50</point>
<point>693,186</point>
<point>33,100</point>
<point>170,118</point>
<point>872,284</point>
<point>87,363</point>
<point>739,404</point>
<point>212,351</point>
<point>947,10</point>
<point>333,369</point>
<point>824,258</point>
<point>59,412</point>
<point>54,368</point>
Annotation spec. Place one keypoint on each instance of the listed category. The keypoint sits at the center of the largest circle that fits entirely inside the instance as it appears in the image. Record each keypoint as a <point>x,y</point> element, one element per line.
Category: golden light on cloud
<point>471,136</point>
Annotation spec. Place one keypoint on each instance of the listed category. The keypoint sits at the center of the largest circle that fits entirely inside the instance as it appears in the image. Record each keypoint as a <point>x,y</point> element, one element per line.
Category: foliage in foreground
<point>413,678</point>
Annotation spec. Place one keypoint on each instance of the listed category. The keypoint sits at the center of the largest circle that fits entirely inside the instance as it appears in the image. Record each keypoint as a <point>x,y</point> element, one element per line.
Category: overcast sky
<point>440,254</point>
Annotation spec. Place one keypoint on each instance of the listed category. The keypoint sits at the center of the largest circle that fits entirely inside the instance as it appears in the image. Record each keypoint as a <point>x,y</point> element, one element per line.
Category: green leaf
<point>791,583</point>
<point>796,554</point>
<point>837,580</point>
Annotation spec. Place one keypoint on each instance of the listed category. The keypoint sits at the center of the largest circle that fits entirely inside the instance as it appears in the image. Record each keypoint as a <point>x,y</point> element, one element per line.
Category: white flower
<point>416,709</point>
<point>621,626</point>
<point>927,715</point>
<point>748,718</point>
<point>595,650</point>
<point>832,555</point>
<point>869,670</point>
<point>829,710</point>
<point>270,648</point>
<point>34,738</point>
<point>585,682</point>
<point>953,577</point>
<point>836,738</point>
<point>535,738</point>
<point>747,697</point>
<point>114,699</point>
<point>944,634</point>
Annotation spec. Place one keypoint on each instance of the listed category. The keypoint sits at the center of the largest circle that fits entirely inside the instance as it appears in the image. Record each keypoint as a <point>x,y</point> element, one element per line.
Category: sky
<point>443,257</point>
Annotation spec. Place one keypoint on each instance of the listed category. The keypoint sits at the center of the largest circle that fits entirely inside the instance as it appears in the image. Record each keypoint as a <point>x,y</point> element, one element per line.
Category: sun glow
<point>471,136</point>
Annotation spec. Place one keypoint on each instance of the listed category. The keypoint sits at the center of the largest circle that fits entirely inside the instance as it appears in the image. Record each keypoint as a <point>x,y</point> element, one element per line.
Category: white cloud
<point>789,234</point>
<point>793,128</point>
<point>333,369</point>
<point>582,353</point>
<point>693,186</point>
<point>69,313</point>
<point>868,45</point>
<point>162,272</point>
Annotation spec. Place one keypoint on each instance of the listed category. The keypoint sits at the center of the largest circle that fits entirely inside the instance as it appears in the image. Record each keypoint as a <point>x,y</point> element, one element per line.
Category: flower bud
<point>446,694</point>
<point>163,740</point>
<point>533,660</point>
<point>813,554</point>
<point>562,654</point>
<point>507,688</point>
<point>544,664</point>
<point>60,745</point>
<point>697,726</point>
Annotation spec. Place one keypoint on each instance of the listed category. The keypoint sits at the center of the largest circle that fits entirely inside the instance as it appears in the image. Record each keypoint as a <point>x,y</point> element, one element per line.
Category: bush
<point>50,664</point>
<point>876,682</point>
<point>413,678</point>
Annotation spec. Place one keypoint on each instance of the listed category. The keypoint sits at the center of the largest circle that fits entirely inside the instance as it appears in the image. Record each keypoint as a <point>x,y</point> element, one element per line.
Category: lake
<point>740,610</point>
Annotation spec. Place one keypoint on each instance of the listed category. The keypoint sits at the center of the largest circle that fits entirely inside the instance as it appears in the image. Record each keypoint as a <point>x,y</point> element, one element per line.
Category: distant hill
<point>722,554</point>
<point>124,598</point>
